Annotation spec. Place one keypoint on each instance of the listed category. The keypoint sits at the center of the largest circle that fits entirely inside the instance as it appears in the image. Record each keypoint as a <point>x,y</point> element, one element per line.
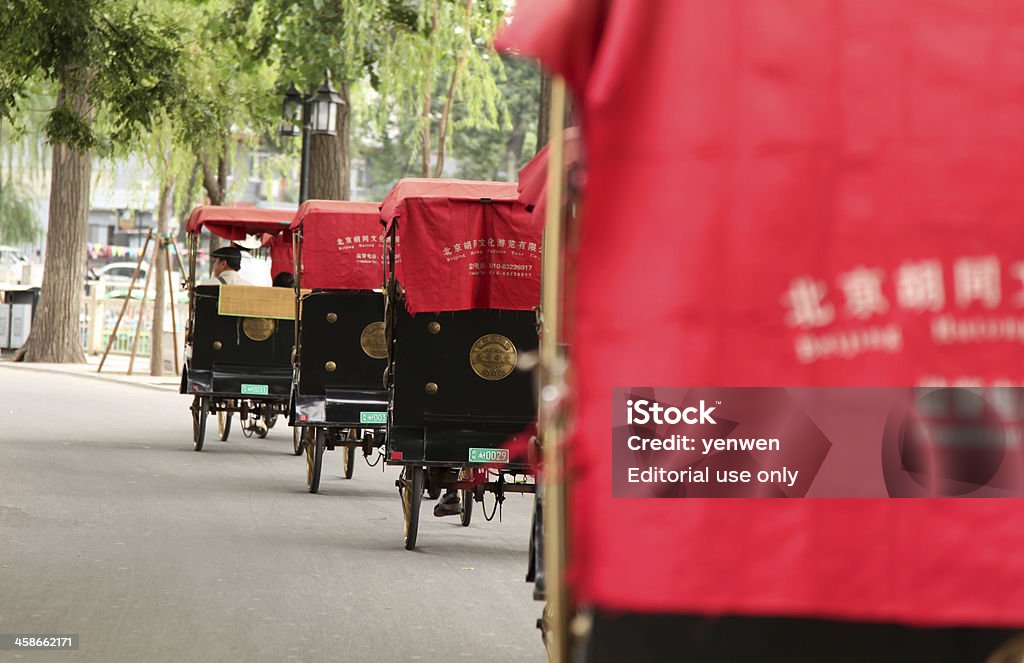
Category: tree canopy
<point>185,83</point>
<point>120,58</point>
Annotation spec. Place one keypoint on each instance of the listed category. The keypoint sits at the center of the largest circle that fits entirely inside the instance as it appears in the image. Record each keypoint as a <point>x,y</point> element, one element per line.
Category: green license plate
<point>477,455</point>
<point>373,417</point>
<point>256,389</point>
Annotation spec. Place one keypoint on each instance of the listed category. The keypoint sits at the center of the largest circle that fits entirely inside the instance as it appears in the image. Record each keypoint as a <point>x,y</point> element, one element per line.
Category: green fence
<point>123,342</point>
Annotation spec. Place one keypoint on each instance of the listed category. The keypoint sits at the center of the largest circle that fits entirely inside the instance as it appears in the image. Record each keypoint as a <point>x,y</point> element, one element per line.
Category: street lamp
<point>291,118</point>
<point>310,114</point>
<point>324,105</point>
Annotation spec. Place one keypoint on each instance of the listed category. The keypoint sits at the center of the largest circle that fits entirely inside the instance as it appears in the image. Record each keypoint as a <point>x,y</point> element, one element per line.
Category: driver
<point>227,260</point>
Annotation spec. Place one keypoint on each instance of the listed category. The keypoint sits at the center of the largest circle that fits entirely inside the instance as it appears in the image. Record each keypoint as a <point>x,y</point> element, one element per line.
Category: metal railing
<point>99,315</point>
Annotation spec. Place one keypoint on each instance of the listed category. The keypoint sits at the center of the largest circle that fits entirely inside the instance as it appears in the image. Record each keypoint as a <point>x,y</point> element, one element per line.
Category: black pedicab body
<point>338,399</point>
<point>456,396</point>
<point>235,363</point>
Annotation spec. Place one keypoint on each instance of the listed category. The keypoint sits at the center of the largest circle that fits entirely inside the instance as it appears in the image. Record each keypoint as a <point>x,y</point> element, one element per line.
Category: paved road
<point>113,528</point>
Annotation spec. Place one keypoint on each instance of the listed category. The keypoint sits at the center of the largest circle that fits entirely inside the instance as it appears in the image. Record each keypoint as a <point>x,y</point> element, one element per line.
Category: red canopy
<point>533,178</point>
<point>234,223</point>
<point>342,246</point>
<point>420,187</point>
<point>464,245</point>
<point>533,186</point>
<point>784,193</point>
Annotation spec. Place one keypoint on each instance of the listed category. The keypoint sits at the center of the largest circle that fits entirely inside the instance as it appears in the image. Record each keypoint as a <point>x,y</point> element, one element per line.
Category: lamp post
<point>306,115</point>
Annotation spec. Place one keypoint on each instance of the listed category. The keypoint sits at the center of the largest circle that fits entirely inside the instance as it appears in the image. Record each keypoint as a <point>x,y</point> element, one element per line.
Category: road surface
<point>113,528</point>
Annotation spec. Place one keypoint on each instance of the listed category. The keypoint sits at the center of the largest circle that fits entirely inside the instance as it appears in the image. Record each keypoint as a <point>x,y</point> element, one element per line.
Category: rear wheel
<point>297,440</point>
<point>224,424</point>
<point>412,498</point>
<point>200,409</point>
<point>314,459</point>
<point>465,507</point>
<point>271,420</point>
<point>348,461</point>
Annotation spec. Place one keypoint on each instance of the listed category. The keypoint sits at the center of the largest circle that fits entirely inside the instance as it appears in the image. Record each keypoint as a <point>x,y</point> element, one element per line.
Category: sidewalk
<point>115,369</point>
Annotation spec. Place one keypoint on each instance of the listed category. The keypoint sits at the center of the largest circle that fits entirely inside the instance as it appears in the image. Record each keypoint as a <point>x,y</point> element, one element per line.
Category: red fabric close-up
<point>342,246</point>
<point>792,194</point>
<point>235,223</point>
<point>459,252</point>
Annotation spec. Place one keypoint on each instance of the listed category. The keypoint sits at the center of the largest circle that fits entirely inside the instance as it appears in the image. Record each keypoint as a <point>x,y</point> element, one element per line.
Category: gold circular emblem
<point>332,317</point>
<point>217,345</point>
<point>430,388</point>
<point>434,327</point>
<point>258,329</point>
<point>493,357</point>
<point>372,341</point>
<point>330,367</point>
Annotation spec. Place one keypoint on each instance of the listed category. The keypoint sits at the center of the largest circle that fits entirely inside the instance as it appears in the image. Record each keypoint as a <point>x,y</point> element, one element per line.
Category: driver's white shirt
<point>229,276</point>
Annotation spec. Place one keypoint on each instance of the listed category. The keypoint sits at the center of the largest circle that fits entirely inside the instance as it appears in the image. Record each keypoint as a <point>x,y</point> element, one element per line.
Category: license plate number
<point>256,389</point>
<point>477,455</point>
<point>373,417</point>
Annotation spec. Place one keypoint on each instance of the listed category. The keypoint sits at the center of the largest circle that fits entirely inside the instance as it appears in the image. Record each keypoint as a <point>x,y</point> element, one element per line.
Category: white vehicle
<point>121,272</point>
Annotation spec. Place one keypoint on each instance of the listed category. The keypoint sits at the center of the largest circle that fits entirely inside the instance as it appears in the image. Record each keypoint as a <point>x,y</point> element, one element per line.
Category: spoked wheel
<point>412,498</point>
<point>314,459</point>
<point>348,461</point>
<point>224,424</point>
<point>465,507</point>
<point>271,420</point>
<point>297,440</point>
<point>200,408</point>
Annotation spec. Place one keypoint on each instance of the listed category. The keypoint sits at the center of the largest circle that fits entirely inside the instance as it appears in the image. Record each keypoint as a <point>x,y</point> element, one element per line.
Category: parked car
<point>120,272</point>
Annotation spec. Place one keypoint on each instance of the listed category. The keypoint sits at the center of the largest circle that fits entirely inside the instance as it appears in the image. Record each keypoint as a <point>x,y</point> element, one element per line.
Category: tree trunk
<point>56,336</point>
<point>425,136</point>
<point>216,185</point>
<point>453,84</point>
<point>325,167</point>
<point>514,149</point>
<point>186,204</point>
<point>544,114</point>
<point>159,265</point>
<point>442,127</point>
<point>212,180</point>
<point>345,141</point>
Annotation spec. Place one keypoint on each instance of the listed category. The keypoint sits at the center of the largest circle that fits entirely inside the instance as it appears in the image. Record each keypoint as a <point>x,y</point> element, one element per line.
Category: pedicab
<point>338,398</point>
<point>461,311</point>
<point>239,338</point>
<point>756,198</point>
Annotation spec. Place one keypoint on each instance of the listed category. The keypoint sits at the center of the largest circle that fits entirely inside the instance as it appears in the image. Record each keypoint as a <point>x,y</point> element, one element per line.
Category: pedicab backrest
<point>341,260</point>
<point>237,338</point>
<point>465,245</point>
<point>341,245</point>
<point>469,282</point>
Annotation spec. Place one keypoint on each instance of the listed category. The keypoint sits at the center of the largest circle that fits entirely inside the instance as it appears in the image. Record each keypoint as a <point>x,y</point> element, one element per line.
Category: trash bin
<point>5,326</point>
<point>20,309</point>
<point>28,296</point>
